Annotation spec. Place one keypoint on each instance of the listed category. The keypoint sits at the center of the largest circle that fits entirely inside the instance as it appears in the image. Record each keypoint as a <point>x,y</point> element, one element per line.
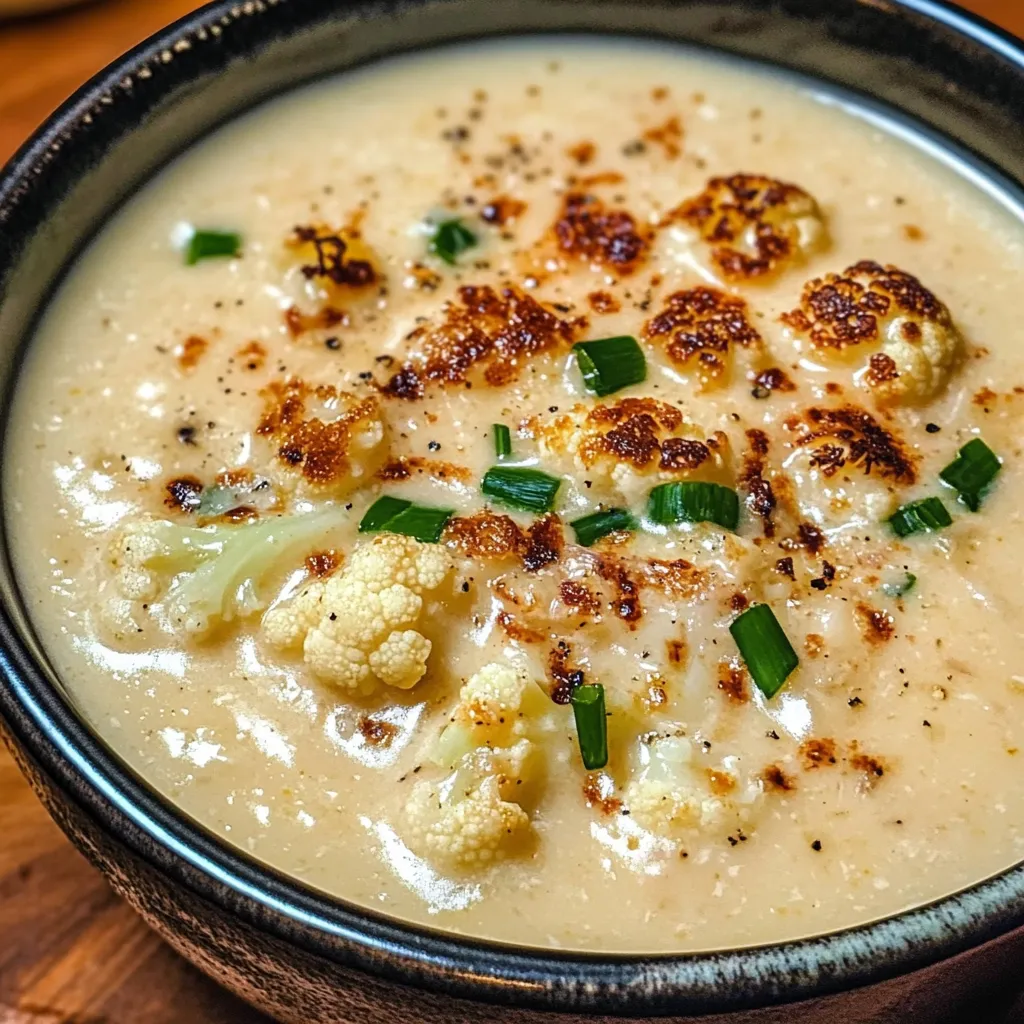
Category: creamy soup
<point>346,535</point>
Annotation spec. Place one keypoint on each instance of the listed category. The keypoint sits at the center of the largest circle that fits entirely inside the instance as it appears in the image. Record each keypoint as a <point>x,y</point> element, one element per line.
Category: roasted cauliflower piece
<point>672,796</point>
<point>474,816</point>
<point>325,441</point>
<point>211,574</point>
<point>901,335</point>
<point>700,328</point>
<point>755,225</point>
<point>356,629</point>
<point>634,443</point>
<point>832,442</point>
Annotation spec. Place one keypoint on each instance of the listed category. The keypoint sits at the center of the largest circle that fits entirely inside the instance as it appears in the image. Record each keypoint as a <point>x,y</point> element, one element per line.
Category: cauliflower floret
<point>211,574</point>
<point>493,705</point>
<point>326,441</point>
<point>913,343</point>
<point>700,327</point>
<point>831,444</point>
<point>355,629</point>
<point>672,796</point>
<point>755,225</point>
<point>464,829</point>
<point>633,444</point>
<point>337,259</point>
<point>401,660</point>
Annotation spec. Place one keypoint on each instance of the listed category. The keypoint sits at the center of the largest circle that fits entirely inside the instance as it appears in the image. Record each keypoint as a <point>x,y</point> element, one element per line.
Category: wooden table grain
<point>70,951</point>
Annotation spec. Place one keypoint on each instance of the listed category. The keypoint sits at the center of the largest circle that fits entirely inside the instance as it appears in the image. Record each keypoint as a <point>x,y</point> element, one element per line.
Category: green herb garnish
<point>396,515</point>
<point>899,589</point>
<point>502,441</point>
<point>766,649</point>
<point>590,529</point>
<point>610,364</point>
<point>926,514</point>
<point>206,245</point>
<point>451,238</point>
<point>971,472</point>
<point>695,502</point>
<point>521,487</point>
<point>588,708</point>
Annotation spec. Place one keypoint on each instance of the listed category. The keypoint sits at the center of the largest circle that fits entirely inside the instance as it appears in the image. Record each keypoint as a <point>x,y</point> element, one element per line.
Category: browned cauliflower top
<point>885,308</point>
<point>754,224</point>
<point>588,230</point>
<point>702,326</point>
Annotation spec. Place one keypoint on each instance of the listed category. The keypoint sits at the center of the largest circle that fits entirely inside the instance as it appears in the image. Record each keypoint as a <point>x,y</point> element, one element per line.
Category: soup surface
<point>345,294</point>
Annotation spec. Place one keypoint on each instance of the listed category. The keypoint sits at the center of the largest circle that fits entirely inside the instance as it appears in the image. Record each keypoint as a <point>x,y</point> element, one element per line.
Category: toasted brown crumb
<point>603,302</point>
<point>502,209</point>
<point>774,778</point>
<point>253,355</point>
<point>190,351</point>
<point>183,493</point>
<point>544,542</point>
<point>598,790</point>
<point>676,650</point>
<point>848,435</point>
<point>564,677</point>
<point>298,323</point>
<point>720,783</point>
<point>376,732</point>
<point>668,135</point>
<point>576,595</point>
<point>732,681</point>
<point>582,152</point>
<point>814,645</point>
<point>817,753</point>
<point>321,564</point>
<point>877,626</point>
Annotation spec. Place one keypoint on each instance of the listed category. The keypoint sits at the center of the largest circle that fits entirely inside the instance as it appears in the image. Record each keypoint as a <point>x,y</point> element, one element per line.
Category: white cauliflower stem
<point>356,630</point>
<point>474,817</point>
<point>211,574</point>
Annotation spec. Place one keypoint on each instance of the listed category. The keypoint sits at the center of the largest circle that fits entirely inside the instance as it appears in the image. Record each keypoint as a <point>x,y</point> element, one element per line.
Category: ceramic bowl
<point>306,958</point>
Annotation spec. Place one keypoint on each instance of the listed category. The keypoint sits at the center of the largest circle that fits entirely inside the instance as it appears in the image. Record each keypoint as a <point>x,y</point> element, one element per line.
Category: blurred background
<point>70,951</point>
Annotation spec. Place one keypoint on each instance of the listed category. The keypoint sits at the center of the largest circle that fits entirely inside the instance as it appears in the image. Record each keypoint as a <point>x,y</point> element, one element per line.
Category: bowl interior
<point>928,67</point>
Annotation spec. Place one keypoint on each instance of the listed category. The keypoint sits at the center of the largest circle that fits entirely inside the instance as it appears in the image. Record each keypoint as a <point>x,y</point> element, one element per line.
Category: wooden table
<point>70,951</point>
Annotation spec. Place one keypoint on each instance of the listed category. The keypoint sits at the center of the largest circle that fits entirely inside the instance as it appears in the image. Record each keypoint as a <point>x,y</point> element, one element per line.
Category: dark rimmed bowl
<point>301,956</point>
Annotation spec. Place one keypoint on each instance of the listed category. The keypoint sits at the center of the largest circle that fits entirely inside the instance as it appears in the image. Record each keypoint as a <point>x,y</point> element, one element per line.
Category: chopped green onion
<point>451,238</point>
<point>502,440</point>
<point>521,487</point>
<point>590,529</point>
<point>396,515</point>
<point>588,709</point>
<point>974,468</point>
<point>695,502</point>
<point>926,514</point>
<point>901,588</point>
<point>765,648</point>
<point>610,364</point>
<point>205,245</point>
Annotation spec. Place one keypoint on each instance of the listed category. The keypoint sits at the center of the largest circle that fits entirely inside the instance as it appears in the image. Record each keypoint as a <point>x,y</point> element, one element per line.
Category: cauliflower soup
<point>559,491</point>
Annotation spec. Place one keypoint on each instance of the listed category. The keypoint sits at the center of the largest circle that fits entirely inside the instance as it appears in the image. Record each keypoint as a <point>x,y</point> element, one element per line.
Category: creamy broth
<point>881,775</point>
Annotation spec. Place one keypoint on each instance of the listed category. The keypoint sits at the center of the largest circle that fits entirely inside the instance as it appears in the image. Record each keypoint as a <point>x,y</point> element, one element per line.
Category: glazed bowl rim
<point>72,757</point>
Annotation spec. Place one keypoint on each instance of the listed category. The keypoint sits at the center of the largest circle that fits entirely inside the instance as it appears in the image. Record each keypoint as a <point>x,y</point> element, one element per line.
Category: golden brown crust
<point>190,351</point>
<point>818,753</point>
<point>776,780</point>
<point>760,496</point>
<point>633,431</point>
<point>588,230</point>
<point>496,330</point>
<point>732,681</point>
<point>702,326</point>
<point>603,302</point>
<point>743,211</point>
<point>841,310</point>
<point>336,256</point>
<point>848,435</point>
<point>183,493</point>
<point>409,465</point>
<point>321,564</point>
<point>668,135</point>
<point>485,535</point>
<point>376,732</point>
<point>502,209</point>
<point>319,450</point>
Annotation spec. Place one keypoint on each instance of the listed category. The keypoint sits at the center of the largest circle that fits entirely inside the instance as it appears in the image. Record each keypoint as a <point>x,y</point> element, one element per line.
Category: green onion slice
<point>588,708</point>
<point>396,515</point>
<point>502,440</point>
<point>903,587</point>
<point>521,487</point>
<point>451,238</point>
<point>926,514</point>
<point>610,364</point>
<point>590,529</point>
<point>205,245</point>
<point>695,502</point>
<point>765,648</point>
<point>974,468</point>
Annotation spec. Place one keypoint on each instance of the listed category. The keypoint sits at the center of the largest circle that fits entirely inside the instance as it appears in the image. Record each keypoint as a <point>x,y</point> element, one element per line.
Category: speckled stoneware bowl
<point>306,958</point>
